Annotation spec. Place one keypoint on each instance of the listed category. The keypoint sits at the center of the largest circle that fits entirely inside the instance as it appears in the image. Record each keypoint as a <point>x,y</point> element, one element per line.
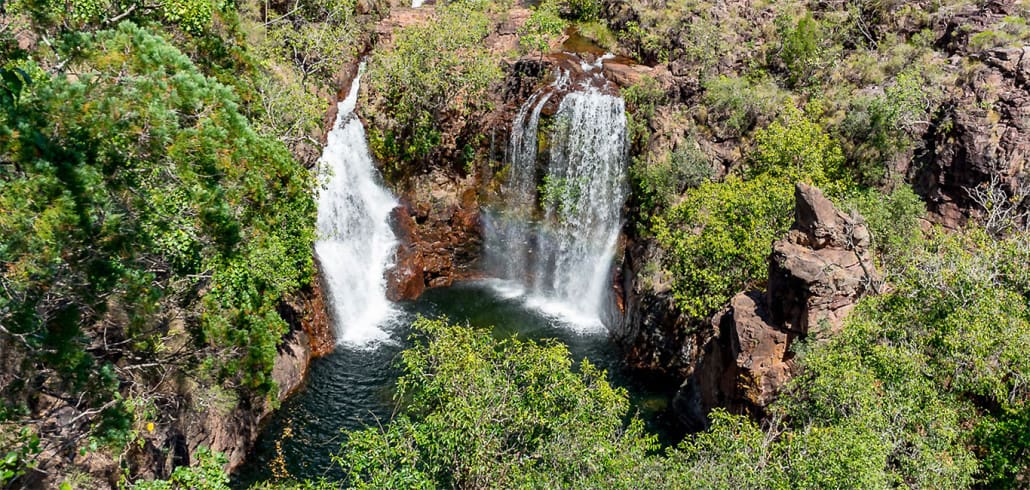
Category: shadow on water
<point>353,388</point>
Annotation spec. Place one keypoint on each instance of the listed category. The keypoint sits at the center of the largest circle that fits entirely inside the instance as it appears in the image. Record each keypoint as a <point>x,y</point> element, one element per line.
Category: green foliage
<point>1011,31</point>
<point>649,45</point>
<point>737,105</point>
<point>1004,444</point>
<point>137,189</point>
<point>642,100</point>
<point>730,454</point>
<point>923,364</point>
<point>191,16</point>
<point>800,48</point>
<point>18,455</point>
<point>717,238</point>
<point>584,10</point>
<point>431,73</point>
<point>657,183</point>
<point>893,221</point>
<point>880,128</point>
<point>796,148</point>
<point>206,474</point>
<point>544,25</point>
<point>478,413</point>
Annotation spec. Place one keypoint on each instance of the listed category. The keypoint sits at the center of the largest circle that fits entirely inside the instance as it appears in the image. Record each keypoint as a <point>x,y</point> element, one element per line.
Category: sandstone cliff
<point>742,357</point>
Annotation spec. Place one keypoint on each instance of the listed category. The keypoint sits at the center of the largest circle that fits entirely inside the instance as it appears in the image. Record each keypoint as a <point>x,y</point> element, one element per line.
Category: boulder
<point>820,268</point>
<point>404,281</point>
<point>437,226</point>
<point>817,273</point>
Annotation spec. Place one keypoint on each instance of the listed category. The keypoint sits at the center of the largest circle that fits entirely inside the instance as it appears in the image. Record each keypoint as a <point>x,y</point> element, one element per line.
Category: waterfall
<point>564,256</point>
<point>584,191</point>
<point>356,243</point>
<point>508,241</point>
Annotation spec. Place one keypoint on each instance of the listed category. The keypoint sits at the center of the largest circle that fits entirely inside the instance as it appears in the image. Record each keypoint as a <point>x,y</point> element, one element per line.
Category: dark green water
<point>352,388</point>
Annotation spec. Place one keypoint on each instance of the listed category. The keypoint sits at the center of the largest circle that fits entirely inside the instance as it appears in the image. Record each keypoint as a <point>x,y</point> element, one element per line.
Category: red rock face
<point>315,322</point>
<point>983,134</point>
<point>439,232</point>
<point>817,272</point>
<point>405,280</point>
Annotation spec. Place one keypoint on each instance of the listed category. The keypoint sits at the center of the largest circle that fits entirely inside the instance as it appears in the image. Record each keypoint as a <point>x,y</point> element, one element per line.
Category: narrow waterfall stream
<point>509,230</point>
<point>356,243</point>
<point>564,257</point>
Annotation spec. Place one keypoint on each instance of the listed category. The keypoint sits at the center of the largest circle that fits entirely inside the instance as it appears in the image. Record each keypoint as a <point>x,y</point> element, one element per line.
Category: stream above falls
<point>352,387</point>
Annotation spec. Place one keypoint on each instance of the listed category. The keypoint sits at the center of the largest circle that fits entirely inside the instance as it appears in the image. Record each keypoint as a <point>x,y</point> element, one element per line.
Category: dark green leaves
<point>14,80</point>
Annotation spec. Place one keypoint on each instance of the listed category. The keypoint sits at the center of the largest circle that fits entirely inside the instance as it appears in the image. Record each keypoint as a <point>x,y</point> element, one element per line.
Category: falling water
<point>356,242</point>
<point>565,257</point>
<point>584,191</point>
<point>509,239</point>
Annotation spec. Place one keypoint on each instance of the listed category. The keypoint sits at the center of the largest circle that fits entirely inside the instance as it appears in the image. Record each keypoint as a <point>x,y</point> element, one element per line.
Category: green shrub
<point>893,221</point>
<point>658,183</point>
<point>717,238</point>
<point>736,105</point>
<point>543,25</point>
<point>431,73</point>
<point>137,189</point>
<point>796,148</point>
<point>1012,31</point>
<point>801,48</point>
<point>206,474</point>
<point>879,128</point>
<point>587,10</point>
<point>642,101</point>
<point>478,412</point>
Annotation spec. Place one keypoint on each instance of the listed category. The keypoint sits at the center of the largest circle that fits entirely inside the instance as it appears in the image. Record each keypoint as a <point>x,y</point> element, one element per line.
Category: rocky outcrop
<point>741,358</point>
<point>820,268</point>
<point>439,234</point>
<point>983,134</point>
<point>817,273</point>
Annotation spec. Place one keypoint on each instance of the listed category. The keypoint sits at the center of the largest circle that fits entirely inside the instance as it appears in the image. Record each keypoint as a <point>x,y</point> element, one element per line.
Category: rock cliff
<point>741,358</point>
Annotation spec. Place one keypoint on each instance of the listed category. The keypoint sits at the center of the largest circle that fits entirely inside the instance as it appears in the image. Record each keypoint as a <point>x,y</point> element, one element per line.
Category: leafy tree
<point>796,148</point>
<point>800,47</point>
<point>882,127</point>
<point>717,238</point>
<point>543,25</point>
<point>477,412</point>
<point>732,453</point>
<point>658,183</point>
<point>191,16</point>
<point>431,73</point>
<point>136,193</point>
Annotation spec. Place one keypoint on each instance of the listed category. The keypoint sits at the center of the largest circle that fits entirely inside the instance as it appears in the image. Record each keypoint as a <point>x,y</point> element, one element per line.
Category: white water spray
<point>565,258</point>
<point>356,243</point>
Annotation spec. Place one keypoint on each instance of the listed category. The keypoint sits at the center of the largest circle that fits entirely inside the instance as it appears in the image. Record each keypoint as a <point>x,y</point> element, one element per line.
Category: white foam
<point>356,242</point>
